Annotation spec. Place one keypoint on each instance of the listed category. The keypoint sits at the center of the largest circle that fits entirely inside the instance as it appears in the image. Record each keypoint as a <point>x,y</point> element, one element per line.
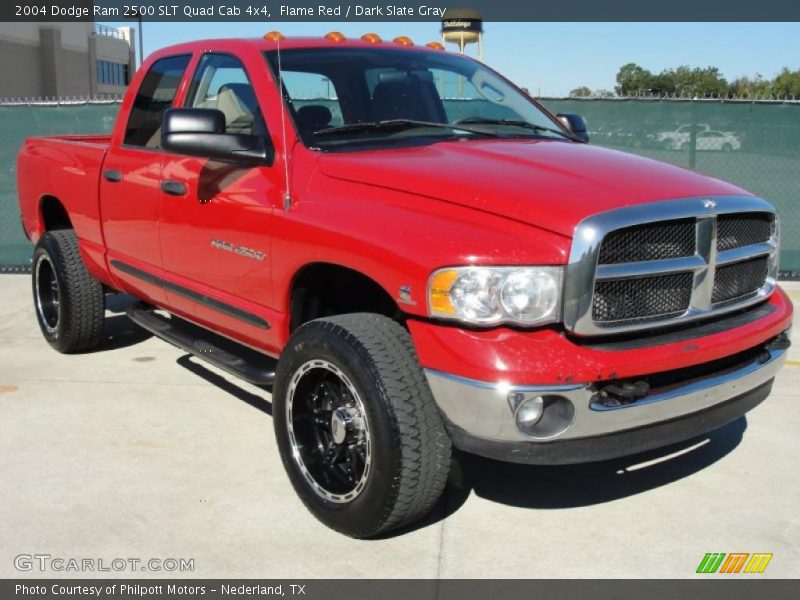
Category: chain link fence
<point>754,144</point>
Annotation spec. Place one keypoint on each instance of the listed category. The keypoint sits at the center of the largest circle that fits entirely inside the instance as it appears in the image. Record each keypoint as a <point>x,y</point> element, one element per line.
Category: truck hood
<point>550,184</point>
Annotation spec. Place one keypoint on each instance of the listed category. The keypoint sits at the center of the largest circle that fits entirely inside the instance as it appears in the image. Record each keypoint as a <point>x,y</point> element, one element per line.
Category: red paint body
<point>392,215</point>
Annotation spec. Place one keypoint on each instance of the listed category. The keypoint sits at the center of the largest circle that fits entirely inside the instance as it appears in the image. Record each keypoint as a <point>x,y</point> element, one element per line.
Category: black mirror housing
<point>576,124</point>
<point>201,132</point>
<point>194,120</point>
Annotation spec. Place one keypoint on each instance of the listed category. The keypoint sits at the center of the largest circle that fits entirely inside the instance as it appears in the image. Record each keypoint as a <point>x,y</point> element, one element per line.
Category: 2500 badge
<point>240,250</point>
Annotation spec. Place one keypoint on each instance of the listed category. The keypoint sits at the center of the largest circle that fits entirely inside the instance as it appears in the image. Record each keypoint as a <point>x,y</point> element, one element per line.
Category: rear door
<point>215,217</point>
<point>130,183</point>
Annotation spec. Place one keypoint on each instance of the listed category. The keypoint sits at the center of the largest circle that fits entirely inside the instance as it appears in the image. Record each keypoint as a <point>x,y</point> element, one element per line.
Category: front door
<point>215,217</point>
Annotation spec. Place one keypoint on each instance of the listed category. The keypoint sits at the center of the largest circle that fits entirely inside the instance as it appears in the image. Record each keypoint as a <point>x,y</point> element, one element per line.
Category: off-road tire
<point>80,307</point>
<point>410,447</point>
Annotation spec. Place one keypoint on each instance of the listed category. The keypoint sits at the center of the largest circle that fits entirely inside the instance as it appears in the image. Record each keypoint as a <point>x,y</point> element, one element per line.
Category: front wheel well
<point>323,290</point>
<point>54,215</point>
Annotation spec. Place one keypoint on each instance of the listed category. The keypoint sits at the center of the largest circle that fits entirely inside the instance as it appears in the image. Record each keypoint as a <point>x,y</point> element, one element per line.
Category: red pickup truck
<point>413,255</point>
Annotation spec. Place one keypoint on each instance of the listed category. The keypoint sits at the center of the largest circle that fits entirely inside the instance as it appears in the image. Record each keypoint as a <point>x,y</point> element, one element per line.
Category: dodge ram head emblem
<point>709,203</point>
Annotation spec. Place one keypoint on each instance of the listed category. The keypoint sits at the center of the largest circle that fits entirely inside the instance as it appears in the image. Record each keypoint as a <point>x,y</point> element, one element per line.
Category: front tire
<point>357,427</point>
<point>69,302</point>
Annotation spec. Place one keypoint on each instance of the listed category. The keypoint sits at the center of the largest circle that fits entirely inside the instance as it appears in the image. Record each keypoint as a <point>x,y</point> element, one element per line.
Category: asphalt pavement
<point>137,451</point>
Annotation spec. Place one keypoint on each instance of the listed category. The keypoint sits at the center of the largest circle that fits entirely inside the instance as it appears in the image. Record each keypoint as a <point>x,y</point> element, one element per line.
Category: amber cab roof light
<point>403,40</point>
<point>371,38</point>
<point>274,36</point>
<point>335,36</point>
<point>435,46</point>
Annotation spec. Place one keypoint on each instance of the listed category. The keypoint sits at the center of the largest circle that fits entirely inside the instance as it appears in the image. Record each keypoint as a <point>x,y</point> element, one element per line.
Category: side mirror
<point>576,124</point>
<point>201,132</point>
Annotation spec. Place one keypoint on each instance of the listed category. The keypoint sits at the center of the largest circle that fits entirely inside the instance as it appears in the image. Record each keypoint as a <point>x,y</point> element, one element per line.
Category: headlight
<point>491,295</point>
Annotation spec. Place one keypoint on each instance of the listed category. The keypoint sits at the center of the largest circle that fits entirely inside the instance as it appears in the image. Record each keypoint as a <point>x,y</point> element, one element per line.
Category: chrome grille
<point>642,299</point>
<point>739,280</point>
<point>652,241</point>
<point>736,231</point>
<point>666,262</point>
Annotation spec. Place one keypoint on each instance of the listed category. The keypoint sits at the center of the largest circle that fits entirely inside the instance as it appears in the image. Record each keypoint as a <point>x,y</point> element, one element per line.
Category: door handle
<point>173,188</point>
<point>112,175</point>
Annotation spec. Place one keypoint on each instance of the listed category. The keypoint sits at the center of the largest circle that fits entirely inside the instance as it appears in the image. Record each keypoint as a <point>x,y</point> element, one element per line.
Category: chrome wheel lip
<point>56,289</point>
<point>363,426</point>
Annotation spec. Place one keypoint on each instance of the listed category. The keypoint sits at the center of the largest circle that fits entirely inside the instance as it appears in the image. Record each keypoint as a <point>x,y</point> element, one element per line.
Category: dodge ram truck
<point>413,256</point>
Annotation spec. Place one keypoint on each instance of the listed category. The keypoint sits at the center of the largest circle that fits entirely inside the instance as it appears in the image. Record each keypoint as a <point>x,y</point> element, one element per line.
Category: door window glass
<point>221,83</point>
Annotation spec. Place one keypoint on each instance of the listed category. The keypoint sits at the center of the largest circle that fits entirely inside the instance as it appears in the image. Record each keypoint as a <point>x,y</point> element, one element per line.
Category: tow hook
<point>782,342</point>
<point>622,392</point>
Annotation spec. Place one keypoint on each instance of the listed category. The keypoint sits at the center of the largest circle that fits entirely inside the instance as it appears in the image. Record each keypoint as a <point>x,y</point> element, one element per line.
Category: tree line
<point>705,82</point>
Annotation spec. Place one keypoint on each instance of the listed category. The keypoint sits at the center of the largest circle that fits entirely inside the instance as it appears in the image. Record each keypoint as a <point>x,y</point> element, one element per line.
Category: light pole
<point>140,24</point>
<point>141,39</point>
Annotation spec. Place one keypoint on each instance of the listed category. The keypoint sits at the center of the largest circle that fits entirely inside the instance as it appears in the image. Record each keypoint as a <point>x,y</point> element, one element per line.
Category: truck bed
<point>65,167</point>
<point>95,140</point>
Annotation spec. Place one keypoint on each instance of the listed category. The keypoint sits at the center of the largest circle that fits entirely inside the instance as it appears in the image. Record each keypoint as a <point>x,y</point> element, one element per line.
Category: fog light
<point>529,412</point>
<point>541,417</point>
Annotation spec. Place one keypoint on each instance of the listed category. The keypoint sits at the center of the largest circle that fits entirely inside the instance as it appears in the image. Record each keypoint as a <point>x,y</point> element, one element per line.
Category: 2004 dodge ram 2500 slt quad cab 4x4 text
<point>413,255</point>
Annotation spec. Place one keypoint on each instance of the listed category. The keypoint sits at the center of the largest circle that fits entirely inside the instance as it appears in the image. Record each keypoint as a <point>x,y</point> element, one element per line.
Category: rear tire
<point>357,426</point>
<point>69,302</point>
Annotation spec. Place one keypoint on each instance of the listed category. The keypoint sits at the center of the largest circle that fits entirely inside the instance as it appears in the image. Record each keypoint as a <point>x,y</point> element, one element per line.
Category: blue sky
<point>553,58</point>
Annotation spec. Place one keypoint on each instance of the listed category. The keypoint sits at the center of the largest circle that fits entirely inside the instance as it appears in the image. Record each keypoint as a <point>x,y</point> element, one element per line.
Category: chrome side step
<point>243,362</point>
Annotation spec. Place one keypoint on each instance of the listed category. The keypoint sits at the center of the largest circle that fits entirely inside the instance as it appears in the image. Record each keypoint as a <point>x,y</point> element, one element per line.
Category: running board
<point>243,362</point>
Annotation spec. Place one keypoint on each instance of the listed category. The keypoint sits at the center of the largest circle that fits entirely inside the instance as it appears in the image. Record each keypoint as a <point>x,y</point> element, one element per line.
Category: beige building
<point>40,60</point>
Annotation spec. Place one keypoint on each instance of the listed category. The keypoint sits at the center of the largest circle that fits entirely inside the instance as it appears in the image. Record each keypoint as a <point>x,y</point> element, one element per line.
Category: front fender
<point>398,239</point>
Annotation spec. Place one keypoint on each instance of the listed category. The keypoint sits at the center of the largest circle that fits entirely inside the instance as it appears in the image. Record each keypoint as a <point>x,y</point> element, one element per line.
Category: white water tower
<point>463,26</point>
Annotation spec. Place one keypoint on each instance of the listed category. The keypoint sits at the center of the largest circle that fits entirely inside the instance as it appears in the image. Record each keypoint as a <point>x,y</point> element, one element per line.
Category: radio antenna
<point>287,194</point>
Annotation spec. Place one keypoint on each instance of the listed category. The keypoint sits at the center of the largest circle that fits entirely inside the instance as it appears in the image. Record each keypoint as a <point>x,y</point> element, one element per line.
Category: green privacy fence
<point>18,122</point>
<point>753,144</point>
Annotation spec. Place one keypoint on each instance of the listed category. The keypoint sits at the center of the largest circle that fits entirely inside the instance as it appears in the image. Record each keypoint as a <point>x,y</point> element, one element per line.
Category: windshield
<point>352,98</point>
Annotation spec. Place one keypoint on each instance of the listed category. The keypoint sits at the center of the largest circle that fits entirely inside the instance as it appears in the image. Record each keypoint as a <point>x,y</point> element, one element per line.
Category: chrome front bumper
<point>484,411</point>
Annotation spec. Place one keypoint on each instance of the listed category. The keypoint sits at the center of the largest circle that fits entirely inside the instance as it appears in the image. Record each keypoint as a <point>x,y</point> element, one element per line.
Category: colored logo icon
<point>735,562</point>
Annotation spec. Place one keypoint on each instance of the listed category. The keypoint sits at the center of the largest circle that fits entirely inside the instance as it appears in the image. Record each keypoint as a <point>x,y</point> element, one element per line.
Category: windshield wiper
<point>522,124</point>
<point>397,125</point>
